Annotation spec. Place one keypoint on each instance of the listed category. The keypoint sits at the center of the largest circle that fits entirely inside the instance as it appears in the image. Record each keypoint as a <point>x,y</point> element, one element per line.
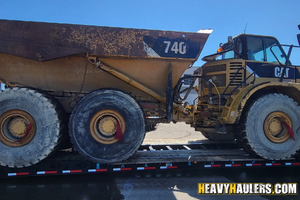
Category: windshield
<point>226,55</point>
<point>228,50</point>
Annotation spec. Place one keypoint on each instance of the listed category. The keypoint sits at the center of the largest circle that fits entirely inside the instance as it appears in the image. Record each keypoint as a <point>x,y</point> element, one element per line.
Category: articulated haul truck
<point>104,87</point>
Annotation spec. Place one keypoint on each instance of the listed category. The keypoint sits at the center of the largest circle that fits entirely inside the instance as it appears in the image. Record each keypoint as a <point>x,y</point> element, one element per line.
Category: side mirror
<point>230,40</point>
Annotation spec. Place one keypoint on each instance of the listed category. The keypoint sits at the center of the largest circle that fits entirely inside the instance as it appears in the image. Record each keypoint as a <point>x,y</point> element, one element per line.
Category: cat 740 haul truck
<point>106,86</point>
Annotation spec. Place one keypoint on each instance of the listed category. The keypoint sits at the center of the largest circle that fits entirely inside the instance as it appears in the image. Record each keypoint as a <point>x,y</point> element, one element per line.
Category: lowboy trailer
<point>153,160</point>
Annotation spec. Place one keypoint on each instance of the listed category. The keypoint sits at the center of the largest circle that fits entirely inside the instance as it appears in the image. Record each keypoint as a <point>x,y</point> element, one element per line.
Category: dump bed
<point>52,57</point>
<point>46,41</point>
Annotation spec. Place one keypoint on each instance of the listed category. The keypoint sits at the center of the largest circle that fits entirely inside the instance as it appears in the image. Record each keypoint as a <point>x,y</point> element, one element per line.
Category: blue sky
<point>278,18</point>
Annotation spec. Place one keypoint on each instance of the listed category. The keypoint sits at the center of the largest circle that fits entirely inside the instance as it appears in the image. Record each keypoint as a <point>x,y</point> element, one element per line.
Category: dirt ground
<point>178,133</point>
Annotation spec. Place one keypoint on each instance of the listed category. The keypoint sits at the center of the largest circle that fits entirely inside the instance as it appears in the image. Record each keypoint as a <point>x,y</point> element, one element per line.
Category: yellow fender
<point>233,112</point>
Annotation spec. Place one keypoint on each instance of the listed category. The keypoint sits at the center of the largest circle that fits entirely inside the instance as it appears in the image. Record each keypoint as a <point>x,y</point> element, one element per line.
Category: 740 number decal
<point>176,47</point>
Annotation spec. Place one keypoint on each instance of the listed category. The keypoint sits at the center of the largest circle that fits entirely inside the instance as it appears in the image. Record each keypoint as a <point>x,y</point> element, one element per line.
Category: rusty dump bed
<point>53,56</point>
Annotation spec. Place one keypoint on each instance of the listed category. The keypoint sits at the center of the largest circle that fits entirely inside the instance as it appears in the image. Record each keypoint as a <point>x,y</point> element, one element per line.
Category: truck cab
<point>245,70</point>
<point>245,60</point>
<point>261,56</point>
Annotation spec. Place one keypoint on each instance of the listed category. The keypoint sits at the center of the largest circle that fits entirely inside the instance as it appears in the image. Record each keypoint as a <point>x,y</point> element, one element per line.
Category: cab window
<point>255,49</point>
<point>276,49</point>
<point>259,49</point>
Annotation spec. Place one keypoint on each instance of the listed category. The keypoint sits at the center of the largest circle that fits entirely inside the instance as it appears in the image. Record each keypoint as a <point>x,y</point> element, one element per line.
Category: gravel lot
<point>178,133</point>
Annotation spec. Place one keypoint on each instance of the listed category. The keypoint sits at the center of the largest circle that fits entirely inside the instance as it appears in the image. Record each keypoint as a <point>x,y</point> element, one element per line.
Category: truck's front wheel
<point>264,129</point>
<point>107,126</point>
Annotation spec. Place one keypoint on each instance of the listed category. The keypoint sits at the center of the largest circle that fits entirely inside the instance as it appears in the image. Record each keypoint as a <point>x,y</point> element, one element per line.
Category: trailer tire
<point>30,127</point>
<point>99,144</point>
<point>262,132</point>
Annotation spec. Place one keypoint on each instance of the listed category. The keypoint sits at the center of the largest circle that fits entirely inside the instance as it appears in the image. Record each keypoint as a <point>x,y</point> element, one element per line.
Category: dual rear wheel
<point>106,126</point>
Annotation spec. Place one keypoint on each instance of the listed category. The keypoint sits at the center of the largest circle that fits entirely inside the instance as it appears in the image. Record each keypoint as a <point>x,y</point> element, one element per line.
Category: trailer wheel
<point>262,131</point>
<point>95,121</point>
<point>29,127</point>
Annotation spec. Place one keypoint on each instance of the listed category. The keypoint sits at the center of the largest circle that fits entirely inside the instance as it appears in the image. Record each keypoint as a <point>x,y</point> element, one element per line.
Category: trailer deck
<point>159,157</point>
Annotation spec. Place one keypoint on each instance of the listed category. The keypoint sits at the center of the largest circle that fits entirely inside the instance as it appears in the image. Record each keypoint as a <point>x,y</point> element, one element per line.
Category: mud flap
<point>169,98</point>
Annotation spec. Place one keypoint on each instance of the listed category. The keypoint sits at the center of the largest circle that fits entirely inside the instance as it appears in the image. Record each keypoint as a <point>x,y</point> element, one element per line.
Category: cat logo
<point>278,72</point>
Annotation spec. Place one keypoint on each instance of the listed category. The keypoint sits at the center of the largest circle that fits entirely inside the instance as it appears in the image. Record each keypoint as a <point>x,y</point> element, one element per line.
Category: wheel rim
<point>17,128</point>
<point>274,129</point>
<point>103,126</point>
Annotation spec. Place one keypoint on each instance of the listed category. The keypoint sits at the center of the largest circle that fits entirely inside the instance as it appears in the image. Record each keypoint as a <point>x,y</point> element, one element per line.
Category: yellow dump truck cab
<point>250,91</point>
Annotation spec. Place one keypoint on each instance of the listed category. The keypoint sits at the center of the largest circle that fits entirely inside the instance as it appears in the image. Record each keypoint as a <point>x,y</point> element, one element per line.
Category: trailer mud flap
<point>169,97</point>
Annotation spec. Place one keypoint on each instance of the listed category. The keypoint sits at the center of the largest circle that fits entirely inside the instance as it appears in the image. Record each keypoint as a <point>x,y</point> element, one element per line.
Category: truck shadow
<point>184,184</point>
<point>82,187</point>
<point>155,185</point>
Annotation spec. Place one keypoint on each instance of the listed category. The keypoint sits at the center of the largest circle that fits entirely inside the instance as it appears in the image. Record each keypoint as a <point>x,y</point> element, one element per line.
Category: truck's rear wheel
<point>96,120</point>
<point>263,132</point>
<point>29,127</point>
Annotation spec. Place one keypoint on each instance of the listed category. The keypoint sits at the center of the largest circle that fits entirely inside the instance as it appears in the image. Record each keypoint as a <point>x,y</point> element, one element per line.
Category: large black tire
<point>109,104</point>
<point>262,132</point>
<point>22,107</point>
